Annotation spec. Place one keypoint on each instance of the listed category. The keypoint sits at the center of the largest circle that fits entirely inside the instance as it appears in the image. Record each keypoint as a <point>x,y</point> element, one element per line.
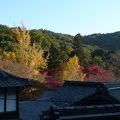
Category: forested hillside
<point>110,41</point>
<point>51,58</point>
<point>99,49</point>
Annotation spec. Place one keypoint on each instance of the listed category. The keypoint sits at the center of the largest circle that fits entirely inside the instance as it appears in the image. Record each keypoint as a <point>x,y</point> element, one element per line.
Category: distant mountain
<point>110,41</point>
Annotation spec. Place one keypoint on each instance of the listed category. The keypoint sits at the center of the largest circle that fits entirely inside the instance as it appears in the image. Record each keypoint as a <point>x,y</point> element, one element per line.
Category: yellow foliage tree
<point>24,54</point>
<point>71,70</point>
<point>22,36</point>
<point>8,56</point>
<point>32,56</point>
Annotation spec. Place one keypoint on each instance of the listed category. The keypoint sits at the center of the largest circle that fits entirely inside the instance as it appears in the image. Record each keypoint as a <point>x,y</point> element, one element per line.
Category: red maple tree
<point>99,74</point>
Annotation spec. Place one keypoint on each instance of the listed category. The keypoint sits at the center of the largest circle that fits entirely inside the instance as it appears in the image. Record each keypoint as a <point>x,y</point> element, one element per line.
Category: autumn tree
<point>24,53</point>
<point>99,74</point>
<point>72,71</point>
<point>54,78</point>
<point>22,36</point>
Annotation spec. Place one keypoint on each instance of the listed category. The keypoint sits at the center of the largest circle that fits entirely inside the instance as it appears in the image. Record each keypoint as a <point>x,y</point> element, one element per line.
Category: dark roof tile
<point>8,80</point>
<point>74,91</point>
<point>67,95</point>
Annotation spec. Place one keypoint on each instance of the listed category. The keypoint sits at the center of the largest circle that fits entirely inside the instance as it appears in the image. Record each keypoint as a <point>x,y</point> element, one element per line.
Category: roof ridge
<point>83,83</point>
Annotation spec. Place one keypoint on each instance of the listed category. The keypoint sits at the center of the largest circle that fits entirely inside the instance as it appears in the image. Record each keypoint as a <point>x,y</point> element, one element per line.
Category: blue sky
<point>64,16</point>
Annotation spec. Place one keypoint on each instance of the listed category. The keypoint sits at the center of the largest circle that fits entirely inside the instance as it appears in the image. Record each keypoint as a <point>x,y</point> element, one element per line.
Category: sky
<point>63,16</point>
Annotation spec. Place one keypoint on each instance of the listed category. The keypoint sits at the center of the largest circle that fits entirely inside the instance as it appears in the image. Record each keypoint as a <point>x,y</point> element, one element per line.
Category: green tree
<point>57,57</point>
<point>81,50</point>
<point>6,39</point>
<point>40,38</point>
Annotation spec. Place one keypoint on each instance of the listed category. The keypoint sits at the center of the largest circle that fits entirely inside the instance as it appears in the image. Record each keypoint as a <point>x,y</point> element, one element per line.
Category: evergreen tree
<point>77,45</point>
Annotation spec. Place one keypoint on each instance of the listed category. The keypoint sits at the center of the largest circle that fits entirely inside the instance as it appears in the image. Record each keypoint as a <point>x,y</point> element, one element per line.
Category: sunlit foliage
<point>24,54</point>
<point>71,70</point>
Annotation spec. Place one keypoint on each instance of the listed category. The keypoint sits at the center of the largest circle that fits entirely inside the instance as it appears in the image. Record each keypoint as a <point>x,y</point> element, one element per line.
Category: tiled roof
<point>8,80</point>
<point>92,84</point>
<point>82,83</point>
<point>92,112</point>
<point>66,95</point>
<point>73,91</point>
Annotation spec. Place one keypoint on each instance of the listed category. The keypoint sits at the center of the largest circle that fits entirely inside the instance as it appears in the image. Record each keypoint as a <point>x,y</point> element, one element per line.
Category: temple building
<point>9,91</point>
